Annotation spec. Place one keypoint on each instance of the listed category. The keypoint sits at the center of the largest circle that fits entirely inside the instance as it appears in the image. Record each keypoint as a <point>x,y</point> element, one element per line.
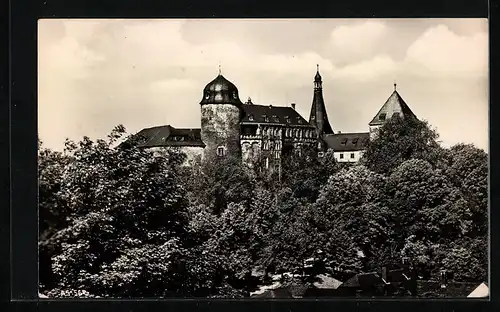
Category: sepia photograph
<point>263,158</point>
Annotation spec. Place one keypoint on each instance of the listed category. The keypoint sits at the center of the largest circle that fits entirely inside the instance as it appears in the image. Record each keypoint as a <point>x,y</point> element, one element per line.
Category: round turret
<point>221,111</point>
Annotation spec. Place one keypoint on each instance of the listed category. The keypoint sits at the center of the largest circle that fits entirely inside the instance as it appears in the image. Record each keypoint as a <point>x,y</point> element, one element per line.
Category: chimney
<point>339,132</point>
<point>293,106</point>
<point>384,273</point>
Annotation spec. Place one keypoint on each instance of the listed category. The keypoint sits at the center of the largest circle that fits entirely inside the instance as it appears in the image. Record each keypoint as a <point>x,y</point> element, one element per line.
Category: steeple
<point>318,117</point>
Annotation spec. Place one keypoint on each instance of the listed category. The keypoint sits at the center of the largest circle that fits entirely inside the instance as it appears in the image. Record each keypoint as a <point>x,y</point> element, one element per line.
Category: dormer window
<point>276,119</point>
<point>266,119</point>
<point>299,120</point>
<point>344,142</point>
<point>250,117</point>
<point>355,141</point>
<point>287,119</point>
<point>381,117</point>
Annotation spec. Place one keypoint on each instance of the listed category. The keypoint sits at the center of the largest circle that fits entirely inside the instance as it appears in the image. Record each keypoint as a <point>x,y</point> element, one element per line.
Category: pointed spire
<point>395,85</point>
<point>318,117</point>
<point>220,71</point>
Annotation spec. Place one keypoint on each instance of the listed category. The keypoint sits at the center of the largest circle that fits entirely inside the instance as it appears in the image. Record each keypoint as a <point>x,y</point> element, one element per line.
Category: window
<point>287,119</point>
<point>276,119</point>
<point>352,155</point>
<point>355,141</point>
<point>207,96</point>
<point>344,142</point>
<point>220,151</point>
<point>250,117</point>
<point>382,116</point>
<point>299,121</point>
<point>267,162</point>
<point>321,154</point>
<point>235,95</point>
<point>341,156</point>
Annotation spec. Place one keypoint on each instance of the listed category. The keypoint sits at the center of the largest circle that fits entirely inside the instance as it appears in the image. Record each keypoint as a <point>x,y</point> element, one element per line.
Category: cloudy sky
<point>95,74</point>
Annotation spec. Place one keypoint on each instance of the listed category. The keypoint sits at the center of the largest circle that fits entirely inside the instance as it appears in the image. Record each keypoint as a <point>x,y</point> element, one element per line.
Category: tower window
<point>207,96</point>
<point>234,95</point>
<point>220,151</point>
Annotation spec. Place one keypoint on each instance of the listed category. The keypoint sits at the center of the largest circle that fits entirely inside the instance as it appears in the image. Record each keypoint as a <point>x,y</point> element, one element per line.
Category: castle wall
<point>220,128</point>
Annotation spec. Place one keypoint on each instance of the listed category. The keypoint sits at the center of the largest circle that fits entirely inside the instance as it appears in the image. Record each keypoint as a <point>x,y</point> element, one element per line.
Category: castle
<point>264,133</point>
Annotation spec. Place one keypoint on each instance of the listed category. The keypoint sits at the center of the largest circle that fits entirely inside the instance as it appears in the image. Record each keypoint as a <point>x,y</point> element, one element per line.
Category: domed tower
<point>221,112</point>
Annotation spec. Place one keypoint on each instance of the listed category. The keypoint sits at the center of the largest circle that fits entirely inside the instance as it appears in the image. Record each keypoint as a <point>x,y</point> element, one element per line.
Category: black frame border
<point>20,222</point>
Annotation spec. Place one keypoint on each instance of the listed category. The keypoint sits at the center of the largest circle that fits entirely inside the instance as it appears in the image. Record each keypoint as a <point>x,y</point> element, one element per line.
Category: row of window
<point>341,156</point>
<point>274,118</point>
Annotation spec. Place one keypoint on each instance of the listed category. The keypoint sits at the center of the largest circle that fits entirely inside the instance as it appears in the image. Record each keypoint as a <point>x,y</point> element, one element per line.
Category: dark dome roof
<point>220,91</point>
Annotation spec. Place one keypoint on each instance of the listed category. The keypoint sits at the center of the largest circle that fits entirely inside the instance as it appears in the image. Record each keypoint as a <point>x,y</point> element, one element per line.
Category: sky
<point>96,74</point>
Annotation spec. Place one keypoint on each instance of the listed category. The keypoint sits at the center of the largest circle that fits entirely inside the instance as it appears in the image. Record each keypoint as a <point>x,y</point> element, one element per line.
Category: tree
<point>128,224</point>
<point>52,210</point>
<point>399,140</point>
<point>219,181</point>
<point>305,173</point>
<point>467,168</point>
<point>349,217</point>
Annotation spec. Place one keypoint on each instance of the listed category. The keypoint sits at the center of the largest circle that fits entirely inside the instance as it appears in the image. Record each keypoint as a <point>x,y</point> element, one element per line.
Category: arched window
<point>207,95</point>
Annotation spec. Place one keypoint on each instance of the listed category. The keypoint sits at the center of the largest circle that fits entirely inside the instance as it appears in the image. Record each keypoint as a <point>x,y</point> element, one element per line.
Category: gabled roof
<point>268,114</point>
<point>169,136</point>
<point>394,105</point>
<point>343,142</point>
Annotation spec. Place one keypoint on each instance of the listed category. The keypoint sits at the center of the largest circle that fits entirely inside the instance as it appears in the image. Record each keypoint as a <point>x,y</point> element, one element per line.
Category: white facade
<point>348,156</point>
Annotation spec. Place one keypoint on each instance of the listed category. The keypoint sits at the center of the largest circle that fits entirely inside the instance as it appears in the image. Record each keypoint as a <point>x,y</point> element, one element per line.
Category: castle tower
<point>318,117</point>
<point>395,105</point>
<point>220,118</point>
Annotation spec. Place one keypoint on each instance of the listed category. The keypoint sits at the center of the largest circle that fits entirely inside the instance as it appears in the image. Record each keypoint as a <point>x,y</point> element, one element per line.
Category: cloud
<point>372,69</point>
<point>357,41</point>
<point>441,51</point>
<point>94,74</point>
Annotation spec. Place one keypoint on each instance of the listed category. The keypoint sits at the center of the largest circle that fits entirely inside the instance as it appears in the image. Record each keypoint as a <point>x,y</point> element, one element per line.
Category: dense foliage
<point>120,221</point>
